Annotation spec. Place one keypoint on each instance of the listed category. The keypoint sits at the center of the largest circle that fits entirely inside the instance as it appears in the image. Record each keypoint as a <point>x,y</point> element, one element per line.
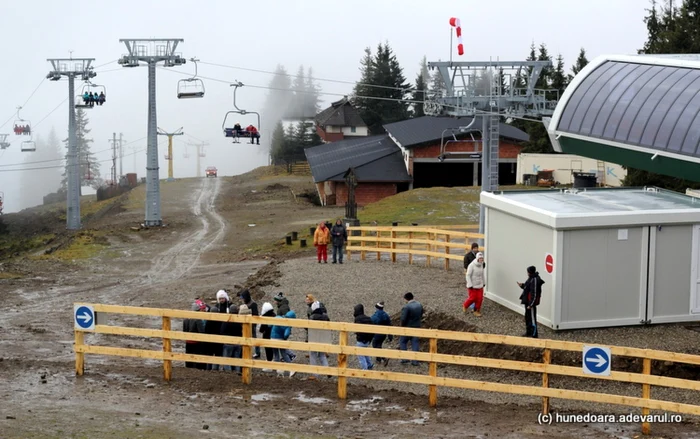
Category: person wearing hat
<point>232,329</point>
<point>267,310</point>
<point>318,313</point>
<point>282,304</point>
<point>214,327</point>
<point>475,285</point>
<point>253,307</point>
<point>530,298</point>
<point>381,318</point>
<point>197,326</point>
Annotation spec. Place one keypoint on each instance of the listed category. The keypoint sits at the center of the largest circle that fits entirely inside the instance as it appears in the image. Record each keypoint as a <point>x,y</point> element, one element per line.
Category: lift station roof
<point>590,207</point>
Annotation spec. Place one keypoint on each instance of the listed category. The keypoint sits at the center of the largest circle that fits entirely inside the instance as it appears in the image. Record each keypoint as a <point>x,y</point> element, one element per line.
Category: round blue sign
<point>596,360</point>
<point>84,317</point>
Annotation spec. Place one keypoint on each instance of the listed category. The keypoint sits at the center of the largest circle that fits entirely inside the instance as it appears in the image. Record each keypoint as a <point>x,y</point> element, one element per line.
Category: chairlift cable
<point>338,81</point>
<point>25,103</point>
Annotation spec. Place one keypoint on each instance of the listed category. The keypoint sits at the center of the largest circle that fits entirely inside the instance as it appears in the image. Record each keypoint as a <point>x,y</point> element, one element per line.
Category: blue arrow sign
<point>596,360</point>
<point>84,317</point>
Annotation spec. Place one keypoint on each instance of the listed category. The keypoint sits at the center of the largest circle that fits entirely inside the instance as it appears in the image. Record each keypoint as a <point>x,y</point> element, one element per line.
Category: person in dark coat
<point>530,298</point>
<point>196,326</point>
<point>214,327</point>
<point>282,304</point>
<point>411,316</point>
<point>253,307</point>
<point>266,330</point>
<point>381,318</point>
<point>232,329</point>
<point>339,236</point>
<point>363,338</point>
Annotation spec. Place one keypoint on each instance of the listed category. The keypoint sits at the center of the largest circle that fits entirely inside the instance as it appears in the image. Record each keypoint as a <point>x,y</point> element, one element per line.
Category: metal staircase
<point>494,117</point>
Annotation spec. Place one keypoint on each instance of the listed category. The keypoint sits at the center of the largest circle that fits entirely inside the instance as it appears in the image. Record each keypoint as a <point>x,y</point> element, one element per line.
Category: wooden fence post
<point>342,365</point>
<point>410,248</point>
<point>347,247</point>
<point>379,245</point>
<point>430,248</point>
<point>646,394</point>
<point>393,246</point>
<point>246,373</point>
<point>79,356</point>
<point>167,347</point>
<point>546,359</point>
<point>362,244</point>
<point>447,252</point>
<point>432,371</point>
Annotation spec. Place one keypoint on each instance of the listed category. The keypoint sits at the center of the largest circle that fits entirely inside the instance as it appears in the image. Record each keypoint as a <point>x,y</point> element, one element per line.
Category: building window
<point>353,129</point>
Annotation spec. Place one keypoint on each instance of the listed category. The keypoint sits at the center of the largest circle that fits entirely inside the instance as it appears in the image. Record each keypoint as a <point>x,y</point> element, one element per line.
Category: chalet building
<point>410,155</point>
<point>340,121</point>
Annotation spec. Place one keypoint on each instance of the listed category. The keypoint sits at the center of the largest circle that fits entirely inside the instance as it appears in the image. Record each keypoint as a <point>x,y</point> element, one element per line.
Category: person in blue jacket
<point>381,318</point>
<point>280,332</point>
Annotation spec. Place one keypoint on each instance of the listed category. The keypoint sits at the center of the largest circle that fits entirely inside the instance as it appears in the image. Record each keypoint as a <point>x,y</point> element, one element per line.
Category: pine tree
<point>381,69</point>
<point>419,95</point>
<point>89,165</point>
<point>277,143</point>
<point>313,91</point>
<point>559,78</point>
<point>580,63</point>
<point>278,102</point>
<point>424,69</point>
<point>300,97</point>
<point>437,84</point>
<point>545,79</point>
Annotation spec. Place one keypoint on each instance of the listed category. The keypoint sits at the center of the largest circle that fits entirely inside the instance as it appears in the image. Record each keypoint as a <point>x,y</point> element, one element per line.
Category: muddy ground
<point>219,232</point>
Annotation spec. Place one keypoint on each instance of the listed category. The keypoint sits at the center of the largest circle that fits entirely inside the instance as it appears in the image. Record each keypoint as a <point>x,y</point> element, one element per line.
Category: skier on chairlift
<point>253,134</point>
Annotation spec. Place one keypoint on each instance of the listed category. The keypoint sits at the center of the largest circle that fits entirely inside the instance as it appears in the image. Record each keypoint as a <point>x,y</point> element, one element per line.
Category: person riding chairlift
<point>101,99</point>
<point>86,98</point>
<point>253,134</point>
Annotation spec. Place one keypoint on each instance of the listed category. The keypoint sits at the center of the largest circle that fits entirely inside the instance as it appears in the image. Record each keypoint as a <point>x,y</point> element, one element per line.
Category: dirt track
<point>207,245</point>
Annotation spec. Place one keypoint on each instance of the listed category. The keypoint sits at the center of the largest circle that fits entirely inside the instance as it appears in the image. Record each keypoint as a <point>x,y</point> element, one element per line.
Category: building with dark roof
<point>641,111</point>
<point>423,139</point>
<point>376,161</point>
<point>339,121</point>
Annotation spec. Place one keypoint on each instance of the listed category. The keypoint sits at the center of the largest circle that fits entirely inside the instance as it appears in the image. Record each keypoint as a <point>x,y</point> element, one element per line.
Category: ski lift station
<point>608,256</point>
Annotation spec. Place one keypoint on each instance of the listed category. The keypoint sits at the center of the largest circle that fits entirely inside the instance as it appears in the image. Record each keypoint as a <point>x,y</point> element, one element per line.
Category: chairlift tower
<point>170,156</point>
<point>82,69</point>
<point>474,88</point>
<point>152,52</point>
<point>200,154</point>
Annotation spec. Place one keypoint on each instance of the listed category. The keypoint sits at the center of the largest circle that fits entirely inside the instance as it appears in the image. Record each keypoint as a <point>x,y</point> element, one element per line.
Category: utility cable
<point>25,103</point>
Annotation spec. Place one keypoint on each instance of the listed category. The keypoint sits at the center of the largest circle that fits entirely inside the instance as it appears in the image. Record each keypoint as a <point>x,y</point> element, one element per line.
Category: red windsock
<point>456,23</point>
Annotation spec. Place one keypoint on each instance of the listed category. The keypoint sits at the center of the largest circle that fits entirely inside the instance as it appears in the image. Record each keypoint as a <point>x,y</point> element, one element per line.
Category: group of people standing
<point>411,317</point>
<point>324,235</point>
<point>475,267</point>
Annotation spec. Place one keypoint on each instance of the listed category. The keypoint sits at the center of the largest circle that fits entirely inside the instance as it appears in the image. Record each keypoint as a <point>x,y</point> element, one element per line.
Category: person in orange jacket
<point>322,237</point>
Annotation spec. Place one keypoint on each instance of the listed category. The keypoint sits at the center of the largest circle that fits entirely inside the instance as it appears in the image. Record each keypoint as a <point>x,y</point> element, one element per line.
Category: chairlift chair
<point>28,146</point>
<point>230,132</point>
<point>202,153</point>
<point>189,88</point>
<point>21,123</point>
<point>88,88</point>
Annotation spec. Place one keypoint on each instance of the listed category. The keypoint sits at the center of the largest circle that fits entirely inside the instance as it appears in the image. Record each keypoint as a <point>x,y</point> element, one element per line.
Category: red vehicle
<point>211,171</point>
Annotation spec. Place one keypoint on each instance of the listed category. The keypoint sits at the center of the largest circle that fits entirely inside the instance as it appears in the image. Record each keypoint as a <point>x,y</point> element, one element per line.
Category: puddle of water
<point>262,397</point>
<point>420,421</point>
<point>364,404</point>
<point>303,398</point>
<point>393,407</point>
<point>371,400</point>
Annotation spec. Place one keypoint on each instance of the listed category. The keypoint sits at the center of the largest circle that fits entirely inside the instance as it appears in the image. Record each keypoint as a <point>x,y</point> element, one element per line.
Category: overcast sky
<point>327,35</point>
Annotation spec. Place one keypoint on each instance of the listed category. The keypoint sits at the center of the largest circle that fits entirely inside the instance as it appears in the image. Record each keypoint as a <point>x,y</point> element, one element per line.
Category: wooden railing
<point>425,241</point>
<point>432,357</point>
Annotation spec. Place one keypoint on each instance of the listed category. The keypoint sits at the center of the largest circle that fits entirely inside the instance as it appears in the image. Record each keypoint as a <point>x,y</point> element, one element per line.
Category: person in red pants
<point>475,285</point>
<point>322,237</point>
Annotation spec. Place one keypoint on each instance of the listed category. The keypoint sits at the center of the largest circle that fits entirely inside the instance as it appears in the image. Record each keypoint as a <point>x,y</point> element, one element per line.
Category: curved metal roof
<point>651,102</point>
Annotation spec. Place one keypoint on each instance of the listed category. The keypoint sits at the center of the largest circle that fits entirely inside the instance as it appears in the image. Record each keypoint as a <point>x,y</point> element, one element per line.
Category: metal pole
<point>114,158</point>
<point>153,217</point>
<point>170,158</point>
<point>121,154</point>
<point>450,45</point>
<point>485,170</point>
<point>199,168</point>
<point>73,196</point>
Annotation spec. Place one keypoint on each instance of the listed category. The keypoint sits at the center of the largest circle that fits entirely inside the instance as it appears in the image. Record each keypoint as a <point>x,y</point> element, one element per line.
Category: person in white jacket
<point>475,285</point>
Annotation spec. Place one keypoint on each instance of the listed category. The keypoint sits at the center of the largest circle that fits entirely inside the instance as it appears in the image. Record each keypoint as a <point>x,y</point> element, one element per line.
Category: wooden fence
<point>425,241</point>
<point>432,357</point>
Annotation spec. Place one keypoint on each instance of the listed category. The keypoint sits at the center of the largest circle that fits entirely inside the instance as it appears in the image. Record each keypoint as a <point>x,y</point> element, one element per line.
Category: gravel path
<point>340,287</point>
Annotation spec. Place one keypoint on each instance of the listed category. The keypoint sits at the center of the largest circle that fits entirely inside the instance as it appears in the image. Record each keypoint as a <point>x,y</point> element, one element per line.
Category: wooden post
<point>343,364</point>
<point>393,246</point>
<point>379,244</point>
<point>427,258</point>
<point>447,252</point>
<point>646,394</point>
<point>432,371</point>
<point>362,244</point>
<point>79,356</point>
<point>546,359</point>
<point>410,248</point>
<point>246,372</point>
<point>167,347</point>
